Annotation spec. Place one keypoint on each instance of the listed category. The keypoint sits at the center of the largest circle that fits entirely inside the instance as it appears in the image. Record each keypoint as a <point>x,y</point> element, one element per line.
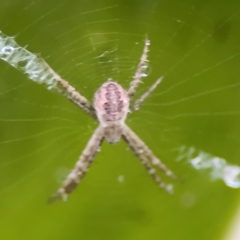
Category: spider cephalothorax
<point>111,103</point>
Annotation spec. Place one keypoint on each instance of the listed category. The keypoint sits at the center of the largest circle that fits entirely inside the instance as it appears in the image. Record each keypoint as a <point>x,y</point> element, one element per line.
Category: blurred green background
<point>194,44</point>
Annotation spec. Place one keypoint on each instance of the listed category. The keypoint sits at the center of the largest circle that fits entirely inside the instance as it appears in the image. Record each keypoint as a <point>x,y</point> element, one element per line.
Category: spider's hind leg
<point>140,70</point>
<point>140,100</point>
<point>64,88</point>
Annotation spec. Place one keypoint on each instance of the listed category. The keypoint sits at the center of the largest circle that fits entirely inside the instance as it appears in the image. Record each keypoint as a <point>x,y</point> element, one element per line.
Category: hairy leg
<point>139,101</point>
<point>69,92</point>
<point>81,166</point>
<point>141,149</point>
<point>149,168</point>
<point>140,70</point>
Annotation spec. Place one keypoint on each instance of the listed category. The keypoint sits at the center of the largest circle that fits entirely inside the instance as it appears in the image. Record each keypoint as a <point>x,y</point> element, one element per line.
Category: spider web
<point>194,45</point>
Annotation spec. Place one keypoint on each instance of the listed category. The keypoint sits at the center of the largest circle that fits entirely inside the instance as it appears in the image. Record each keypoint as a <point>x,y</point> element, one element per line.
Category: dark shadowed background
<point>195,45</point>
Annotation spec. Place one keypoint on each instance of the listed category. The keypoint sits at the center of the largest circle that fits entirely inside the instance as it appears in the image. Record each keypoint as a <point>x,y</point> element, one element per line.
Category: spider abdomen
<point>111,103</point>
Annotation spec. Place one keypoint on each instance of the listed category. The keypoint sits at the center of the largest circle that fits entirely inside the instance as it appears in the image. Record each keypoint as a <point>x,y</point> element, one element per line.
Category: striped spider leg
<point>111,106</point>
<point>64,88</point>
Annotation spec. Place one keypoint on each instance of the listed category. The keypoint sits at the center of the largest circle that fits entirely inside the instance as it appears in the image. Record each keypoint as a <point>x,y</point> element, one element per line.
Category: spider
<point>110,109</point>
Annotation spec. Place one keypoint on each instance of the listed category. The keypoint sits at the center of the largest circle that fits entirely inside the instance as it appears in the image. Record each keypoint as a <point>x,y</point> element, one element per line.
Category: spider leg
<point>81,167</point>
<point>154,175</point>
<point>149,168</point>
<point>140,149</point>
<point>139,101</point>
<point>140,70</point>
<point>64,88</point>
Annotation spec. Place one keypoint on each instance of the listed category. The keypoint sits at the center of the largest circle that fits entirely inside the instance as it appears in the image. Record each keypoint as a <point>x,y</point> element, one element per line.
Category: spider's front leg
<point>147,158</point>
<point>81,166</point>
